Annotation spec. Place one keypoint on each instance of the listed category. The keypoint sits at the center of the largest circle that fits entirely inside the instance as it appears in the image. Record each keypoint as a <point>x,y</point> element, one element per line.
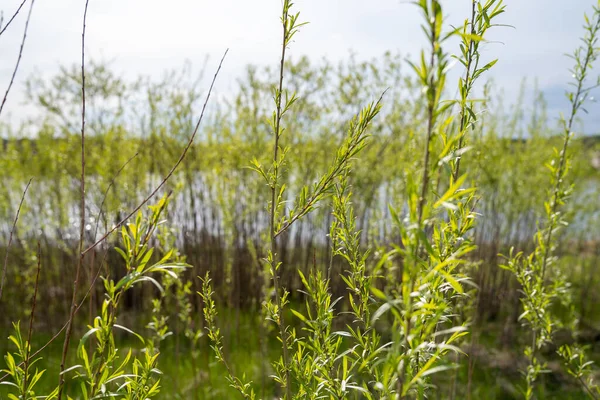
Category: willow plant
<point>23,375</point>
<point>290,26</point>
<point>104,373</point>
<point>392,317</point>
<point>472,35</point>
<point>216,340</point>
<point>435,228</point>
<point>428,263</point>
<point>280,219</point>
<point>543,286</point>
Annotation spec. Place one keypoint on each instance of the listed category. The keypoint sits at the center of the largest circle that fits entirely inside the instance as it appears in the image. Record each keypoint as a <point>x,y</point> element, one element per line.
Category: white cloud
<point>149,36</point>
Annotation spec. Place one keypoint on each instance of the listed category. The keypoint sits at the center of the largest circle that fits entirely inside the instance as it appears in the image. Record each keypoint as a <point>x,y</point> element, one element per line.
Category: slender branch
<point>166,178</point>
<point>430,125</point>
<point>14,74</point>
<point>327,182</point>
<point>431,108</point>
<point>463,117</point>
<point>11,237</point>
<point>81,256</point>
<point>577,102</point>
<point>463,111</point>
<point>587,388</point>
<point>12,18</point>
<point>281,320</point>
<point>529,296</point>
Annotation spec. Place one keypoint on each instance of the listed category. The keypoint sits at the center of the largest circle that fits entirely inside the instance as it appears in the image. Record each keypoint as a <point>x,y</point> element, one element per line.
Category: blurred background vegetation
<point>217,213</point>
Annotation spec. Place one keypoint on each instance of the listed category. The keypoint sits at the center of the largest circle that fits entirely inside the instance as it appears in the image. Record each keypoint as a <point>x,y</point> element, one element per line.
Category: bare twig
<point>61,381</point>
<point>3,28</point>
<point>14,74</point>
<point>11,236</point>
<point>166,178</point>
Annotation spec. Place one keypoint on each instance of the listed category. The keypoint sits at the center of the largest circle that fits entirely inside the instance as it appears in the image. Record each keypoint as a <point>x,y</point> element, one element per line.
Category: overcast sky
<point>149,36</point>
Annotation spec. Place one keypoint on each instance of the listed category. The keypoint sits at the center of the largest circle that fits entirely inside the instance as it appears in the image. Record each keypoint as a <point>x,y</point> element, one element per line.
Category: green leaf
<point>300,316</point>
<point>85,337</point>
<point>130,331</point>
<point>74,367</point>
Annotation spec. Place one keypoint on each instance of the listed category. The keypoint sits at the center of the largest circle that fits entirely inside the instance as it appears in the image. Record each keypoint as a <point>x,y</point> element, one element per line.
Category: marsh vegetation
<point>357,230</point>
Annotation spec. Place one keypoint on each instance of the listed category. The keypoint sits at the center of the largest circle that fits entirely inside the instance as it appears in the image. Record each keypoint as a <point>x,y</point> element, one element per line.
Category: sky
<point>149,36</point>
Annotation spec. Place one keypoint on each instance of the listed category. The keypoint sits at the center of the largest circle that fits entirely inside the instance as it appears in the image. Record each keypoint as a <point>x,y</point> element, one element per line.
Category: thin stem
<point>432,94</point>
<point>81,255</point>
<point>14,74</point>
<point>281,320</point>
<point>587,388</point>
<point>463,111</point>
<point>563,155</point>
<point>10,238</point>
<point>430,124</point>
<point>12,18</point>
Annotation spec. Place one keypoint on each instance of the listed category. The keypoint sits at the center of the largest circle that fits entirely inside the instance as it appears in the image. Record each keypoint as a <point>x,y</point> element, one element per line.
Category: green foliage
<point>542,285</point>
<point>214,334</point>
<point>19,367</point>
<point>104,372</point>
<point>355,257</point>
